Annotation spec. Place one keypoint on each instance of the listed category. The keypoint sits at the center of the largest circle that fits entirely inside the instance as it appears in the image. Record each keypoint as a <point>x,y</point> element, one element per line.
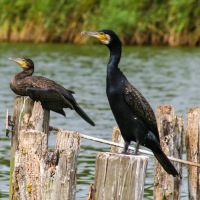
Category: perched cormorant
<point>132,112</point>
<point>51,95</point>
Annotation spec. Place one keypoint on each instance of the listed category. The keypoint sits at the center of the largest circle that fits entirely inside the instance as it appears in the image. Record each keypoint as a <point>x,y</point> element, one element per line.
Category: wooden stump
<point>171,132</point>
<point>119,176</point>
<point>192,142</point>
<point>40,173</point>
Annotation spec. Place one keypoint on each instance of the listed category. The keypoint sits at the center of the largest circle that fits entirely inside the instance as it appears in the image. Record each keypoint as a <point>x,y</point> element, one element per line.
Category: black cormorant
<point>133,114</point>
<point>51,95</point>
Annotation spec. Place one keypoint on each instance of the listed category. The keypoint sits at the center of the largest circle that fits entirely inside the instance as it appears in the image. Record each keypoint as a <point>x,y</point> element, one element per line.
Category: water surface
<point>163,75</point>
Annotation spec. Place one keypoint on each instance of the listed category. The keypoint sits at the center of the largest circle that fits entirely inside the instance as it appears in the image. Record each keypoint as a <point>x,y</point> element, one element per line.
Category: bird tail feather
<point>83,115</point>
<point>165,162</point>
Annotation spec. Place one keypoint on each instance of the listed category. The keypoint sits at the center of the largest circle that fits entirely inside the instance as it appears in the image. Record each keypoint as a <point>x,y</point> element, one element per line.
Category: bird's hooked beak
<point>93,34</point>
<point>104,38</point>
<point>21,62</point>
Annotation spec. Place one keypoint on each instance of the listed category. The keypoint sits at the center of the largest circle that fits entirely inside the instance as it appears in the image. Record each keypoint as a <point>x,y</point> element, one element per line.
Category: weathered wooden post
<point>40,173</point>
<point>171,131</point>
<point>192,142</point>
<point>119,176</point>
<point>22,106</point>
<point>117,137</point>
<point>60,167</point>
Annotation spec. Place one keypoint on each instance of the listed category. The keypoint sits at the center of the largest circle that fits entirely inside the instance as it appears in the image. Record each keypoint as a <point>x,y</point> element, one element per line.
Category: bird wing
<point>141,108</point>
<point>50,86</point>
<point>49,97</point>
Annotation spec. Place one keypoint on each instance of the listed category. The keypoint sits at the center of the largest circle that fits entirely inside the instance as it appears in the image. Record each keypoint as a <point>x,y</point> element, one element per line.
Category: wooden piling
<point>40,173</point>
<point>22,106</point>
<point>119,176</point>
<point>60,168</point>
<point>192,143</point>
<point>171,130</point>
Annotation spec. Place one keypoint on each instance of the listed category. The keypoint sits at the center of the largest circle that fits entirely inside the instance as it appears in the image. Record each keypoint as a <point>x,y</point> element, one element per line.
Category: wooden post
<point>22,106</point>
<point>40,173</point>
<point>192,142</point>
<point>119,176</point>
<point>116,137</point>
<point>60,168</point>
<point>124,174</point>
<point>171,130</point>
<point>32,146</point>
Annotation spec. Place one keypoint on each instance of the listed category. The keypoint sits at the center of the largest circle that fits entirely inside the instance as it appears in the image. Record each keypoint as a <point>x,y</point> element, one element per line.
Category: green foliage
<point>63,19</point>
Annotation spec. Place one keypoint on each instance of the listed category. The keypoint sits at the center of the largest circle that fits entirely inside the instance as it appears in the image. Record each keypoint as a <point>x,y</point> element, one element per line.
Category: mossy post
<point>192,142</point>
<point>171,130</point>
<point>40,173</point>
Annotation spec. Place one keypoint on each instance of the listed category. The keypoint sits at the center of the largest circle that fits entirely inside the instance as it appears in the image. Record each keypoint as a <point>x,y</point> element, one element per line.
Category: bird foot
<point>135,153</point>
<point>126,153</point>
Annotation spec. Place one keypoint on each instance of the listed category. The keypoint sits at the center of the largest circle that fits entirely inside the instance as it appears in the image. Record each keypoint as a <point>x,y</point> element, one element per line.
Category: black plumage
<point>51,95</point>
<point>131,110</point>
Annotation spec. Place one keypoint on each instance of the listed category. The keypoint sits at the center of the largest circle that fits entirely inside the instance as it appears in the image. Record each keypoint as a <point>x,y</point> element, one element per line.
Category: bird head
<point>107,37</point>
<point>25,63</point>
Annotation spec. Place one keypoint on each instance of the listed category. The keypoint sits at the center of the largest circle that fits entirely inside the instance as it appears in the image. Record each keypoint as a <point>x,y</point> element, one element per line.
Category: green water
<point>163,75</point>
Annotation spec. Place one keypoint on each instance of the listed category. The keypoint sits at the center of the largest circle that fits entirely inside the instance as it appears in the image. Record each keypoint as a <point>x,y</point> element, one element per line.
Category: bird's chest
<point>18,86</point>
<point>115,93</point>
<point>118,104</point>
<point>15,86</point>
<point>115,88</point>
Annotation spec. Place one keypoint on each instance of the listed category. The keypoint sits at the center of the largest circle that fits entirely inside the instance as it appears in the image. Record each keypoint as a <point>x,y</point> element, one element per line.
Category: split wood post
<point>40,173</point>
<point>192,143</point>
<point>171,130</point>
<point>60,165</point>
<point>117,137</point>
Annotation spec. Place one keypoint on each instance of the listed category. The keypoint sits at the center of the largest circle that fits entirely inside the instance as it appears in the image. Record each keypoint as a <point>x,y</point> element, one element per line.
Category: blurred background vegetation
<point>141,22</point>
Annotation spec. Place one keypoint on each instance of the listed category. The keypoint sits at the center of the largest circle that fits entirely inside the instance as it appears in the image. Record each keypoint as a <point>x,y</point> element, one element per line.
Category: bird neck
<point>115,55</point>
<point>25,73</point>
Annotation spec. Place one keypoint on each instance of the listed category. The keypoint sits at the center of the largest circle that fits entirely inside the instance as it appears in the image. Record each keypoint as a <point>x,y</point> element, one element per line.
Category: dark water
<point>163,75</point>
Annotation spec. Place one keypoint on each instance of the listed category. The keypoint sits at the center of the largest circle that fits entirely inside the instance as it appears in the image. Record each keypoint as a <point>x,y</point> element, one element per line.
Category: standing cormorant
<point>133,114</point>
<point>51,95</point>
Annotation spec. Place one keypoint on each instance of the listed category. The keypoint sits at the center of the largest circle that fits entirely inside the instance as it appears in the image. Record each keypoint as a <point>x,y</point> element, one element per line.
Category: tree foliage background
<point>145,22</point>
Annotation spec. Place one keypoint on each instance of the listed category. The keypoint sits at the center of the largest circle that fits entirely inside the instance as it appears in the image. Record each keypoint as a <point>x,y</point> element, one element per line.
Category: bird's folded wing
<point>47,95</point>
<point>141,108</point>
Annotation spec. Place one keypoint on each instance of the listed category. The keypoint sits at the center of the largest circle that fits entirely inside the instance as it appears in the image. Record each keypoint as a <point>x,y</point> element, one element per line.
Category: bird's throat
<point>114,59</point>
<point>113,72</point>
